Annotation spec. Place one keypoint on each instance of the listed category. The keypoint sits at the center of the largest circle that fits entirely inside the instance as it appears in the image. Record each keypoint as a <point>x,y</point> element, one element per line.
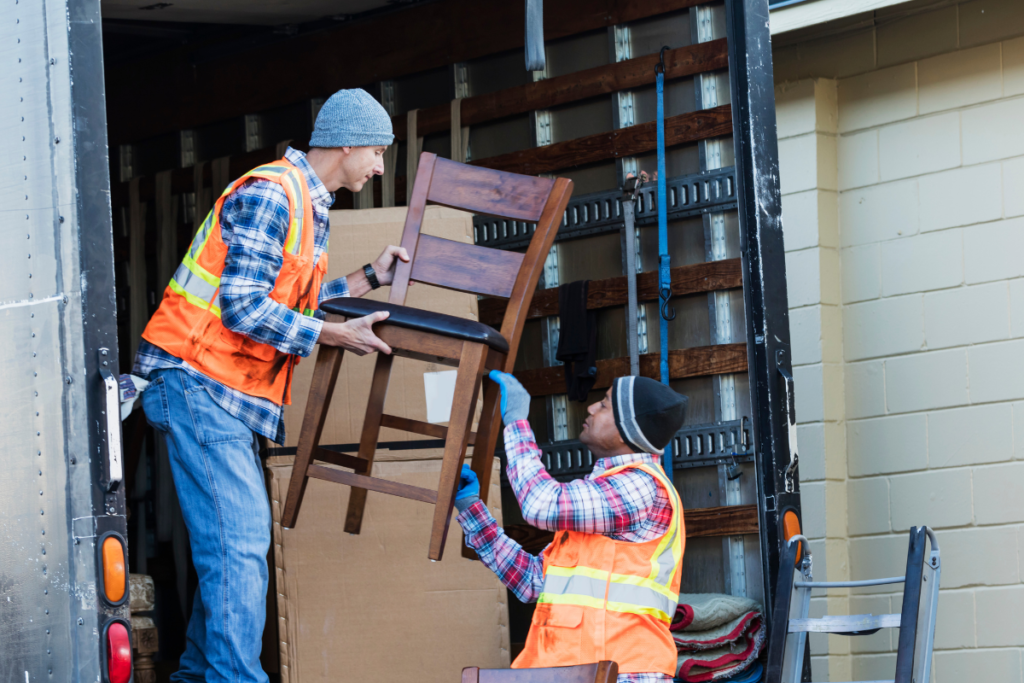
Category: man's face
<point>360,165</point>
<point>599,433</point>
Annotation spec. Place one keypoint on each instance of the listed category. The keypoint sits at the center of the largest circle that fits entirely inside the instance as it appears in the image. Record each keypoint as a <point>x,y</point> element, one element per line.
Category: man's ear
<point>346,150</point>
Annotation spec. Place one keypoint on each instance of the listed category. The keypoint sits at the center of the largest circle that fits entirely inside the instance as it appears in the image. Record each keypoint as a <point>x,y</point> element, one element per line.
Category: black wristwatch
<point>371,276</point>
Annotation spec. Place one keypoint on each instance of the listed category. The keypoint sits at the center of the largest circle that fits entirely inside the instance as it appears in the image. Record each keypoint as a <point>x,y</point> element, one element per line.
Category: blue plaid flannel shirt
<point>254,225</point>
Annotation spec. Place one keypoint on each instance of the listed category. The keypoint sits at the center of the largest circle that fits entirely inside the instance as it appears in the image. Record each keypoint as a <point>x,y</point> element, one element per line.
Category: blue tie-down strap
<point>664,260</point>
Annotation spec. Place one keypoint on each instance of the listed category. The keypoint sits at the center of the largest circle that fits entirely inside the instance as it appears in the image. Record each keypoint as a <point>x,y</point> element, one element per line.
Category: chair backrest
<point>598,672</point>
<point>471,268</point>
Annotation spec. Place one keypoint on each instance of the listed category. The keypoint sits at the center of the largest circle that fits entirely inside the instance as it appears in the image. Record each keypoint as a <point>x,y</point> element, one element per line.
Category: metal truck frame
<point>62,492</point>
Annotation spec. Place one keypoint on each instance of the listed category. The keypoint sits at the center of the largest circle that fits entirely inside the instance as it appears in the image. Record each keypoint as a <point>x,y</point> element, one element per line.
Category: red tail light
<point>119,653</point>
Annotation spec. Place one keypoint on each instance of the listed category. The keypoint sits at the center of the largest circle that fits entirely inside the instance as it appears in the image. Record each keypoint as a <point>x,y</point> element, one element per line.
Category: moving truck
<point>123,119</point>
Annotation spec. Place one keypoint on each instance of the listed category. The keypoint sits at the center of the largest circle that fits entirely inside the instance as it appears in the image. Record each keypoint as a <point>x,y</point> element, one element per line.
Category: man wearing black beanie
<point>607,587</point>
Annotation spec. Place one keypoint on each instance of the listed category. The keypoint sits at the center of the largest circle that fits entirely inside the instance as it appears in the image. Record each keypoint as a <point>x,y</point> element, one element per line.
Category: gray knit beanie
<point>352,118</point>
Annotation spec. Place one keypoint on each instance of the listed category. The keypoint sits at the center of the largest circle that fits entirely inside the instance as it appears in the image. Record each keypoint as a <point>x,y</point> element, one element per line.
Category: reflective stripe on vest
<point>580,586</point>
<point>201,288</point>
<point>598,588</point>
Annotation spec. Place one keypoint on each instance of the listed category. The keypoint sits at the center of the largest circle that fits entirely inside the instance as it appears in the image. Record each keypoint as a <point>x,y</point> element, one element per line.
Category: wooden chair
<point>475,348</point>
<point>599,672</point>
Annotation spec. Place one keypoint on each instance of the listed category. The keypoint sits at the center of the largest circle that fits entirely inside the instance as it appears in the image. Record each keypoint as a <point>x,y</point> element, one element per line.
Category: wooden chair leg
<point>368,439</point>
<point>487,437</point>
<point>467,386</point>
<point>483,450</point>
<point>325,374</point>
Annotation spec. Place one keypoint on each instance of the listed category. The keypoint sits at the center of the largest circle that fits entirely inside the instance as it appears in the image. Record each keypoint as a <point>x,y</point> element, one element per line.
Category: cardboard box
<point>357,238</point>
<point>372,607</point>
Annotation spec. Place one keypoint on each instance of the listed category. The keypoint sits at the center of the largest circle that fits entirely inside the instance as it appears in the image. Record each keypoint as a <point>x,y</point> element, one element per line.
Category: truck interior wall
<point>591,258</point>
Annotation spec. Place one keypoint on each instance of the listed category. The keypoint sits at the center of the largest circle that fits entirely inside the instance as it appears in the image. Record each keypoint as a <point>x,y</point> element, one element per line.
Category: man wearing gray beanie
<point>220,354</point>
<point>607,587</point>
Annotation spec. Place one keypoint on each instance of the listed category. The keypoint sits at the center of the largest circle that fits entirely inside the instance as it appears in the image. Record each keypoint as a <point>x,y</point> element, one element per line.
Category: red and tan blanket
<point>716,635</point>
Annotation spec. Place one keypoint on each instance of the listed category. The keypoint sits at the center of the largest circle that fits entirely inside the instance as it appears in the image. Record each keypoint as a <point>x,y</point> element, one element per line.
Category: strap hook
<point>665,293</point>
<point>659,68</point>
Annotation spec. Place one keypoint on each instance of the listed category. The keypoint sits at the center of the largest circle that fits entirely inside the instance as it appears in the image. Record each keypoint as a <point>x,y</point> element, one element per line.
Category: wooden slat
<point>551,92</point>
<point>701,277</point>
<point>418,427</point>
<point>700,361</point>
<point>172,91</point>
<point>353,462</point>
<point>465,267</point>
<point>482,190</point>
<point>732,520</point>
<point>698,125</point>
<point>639,139</point>
<point>361,481</point>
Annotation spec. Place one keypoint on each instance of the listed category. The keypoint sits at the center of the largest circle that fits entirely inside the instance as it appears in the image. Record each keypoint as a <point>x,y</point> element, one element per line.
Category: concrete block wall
<point>910,360</point>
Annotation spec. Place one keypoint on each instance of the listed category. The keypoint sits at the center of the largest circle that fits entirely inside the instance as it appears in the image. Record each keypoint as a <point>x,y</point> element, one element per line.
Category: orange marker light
<point>791,528</point>
<point>114,577</point>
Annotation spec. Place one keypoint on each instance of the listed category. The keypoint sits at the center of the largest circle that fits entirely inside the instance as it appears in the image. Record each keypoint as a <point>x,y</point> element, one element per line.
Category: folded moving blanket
<point>703,611</point>
<point>717,636</point>
<point>696,666</point>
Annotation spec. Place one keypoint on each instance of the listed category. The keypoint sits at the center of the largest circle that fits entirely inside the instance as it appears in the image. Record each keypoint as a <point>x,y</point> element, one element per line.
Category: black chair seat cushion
<point>418,319</point>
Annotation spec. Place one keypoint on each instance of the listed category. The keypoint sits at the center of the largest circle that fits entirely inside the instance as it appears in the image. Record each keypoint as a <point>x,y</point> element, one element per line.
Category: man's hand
<point>469,485</point>
<point>515,402</point>
<point>386,263</point>
<point>469,488</point>
<point>355,335</point>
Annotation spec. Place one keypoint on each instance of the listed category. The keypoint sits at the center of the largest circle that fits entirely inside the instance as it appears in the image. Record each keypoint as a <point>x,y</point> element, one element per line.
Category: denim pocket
<point>154,405</point>
<point>212,423</point>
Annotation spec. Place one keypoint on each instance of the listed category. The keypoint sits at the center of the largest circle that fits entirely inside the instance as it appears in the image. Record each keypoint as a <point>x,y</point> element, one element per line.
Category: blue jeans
<point>220,485</point>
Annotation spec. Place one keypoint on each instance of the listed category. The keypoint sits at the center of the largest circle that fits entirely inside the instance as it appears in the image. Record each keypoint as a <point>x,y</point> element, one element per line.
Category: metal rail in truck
<point>63,529</point>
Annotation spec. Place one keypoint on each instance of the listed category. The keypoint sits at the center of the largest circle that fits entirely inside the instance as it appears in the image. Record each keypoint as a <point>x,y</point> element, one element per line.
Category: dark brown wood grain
<point>699,125</point>
<point>473,265</point>
<point>321,388</point>
<point>639,139</point>
<point>465,267</point>
<point>495,193</point>
<point>693,279</point>
<point>513,322</point>
<point>411,229</point>
<point>368,438</point>
<point>597,672</point>
<point>361,482</point>
<point>731,520</point>
<point>171,92</point>
<point>467,386</point>
<point>700,361</point>
<point>551,92</point>
<point>341,460</point>
<point>417,427</point>
<point>425,346</point>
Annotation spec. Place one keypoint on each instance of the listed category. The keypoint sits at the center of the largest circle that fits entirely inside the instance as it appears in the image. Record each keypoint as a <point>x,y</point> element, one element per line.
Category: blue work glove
<point>515,402</point>
<point>469,488</point>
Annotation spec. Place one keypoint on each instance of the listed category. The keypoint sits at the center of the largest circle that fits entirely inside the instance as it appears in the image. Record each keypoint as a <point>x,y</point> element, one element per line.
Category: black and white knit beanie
<point>647,413</point>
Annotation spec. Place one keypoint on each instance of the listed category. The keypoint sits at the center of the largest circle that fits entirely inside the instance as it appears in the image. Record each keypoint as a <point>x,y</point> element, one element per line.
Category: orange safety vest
<point>187,324</point>
<point>609,600</point>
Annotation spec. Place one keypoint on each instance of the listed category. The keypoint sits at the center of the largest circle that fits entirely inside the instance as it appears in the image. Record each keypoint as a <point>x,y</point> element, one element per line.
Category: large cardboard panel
<point>357,238</point>
<point>372,607</point>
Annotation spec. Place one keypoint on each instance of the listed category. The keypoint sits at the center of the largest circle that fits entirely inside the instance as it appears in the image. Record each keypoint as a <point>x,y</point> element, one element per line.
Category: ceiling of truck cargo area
<point>247,12</point>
